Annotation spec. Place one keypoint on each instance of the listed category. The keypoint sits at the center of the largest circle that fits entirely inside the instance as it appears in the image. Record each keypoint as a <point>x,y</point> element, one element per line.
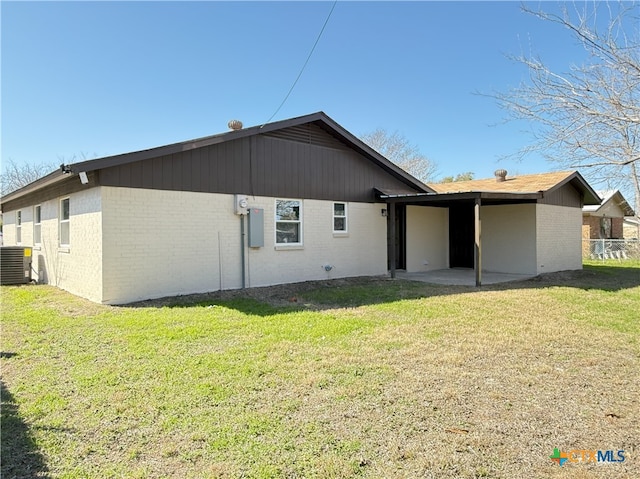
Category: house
<point>294,200</point>
<point>606,219</point>
<point>164,221</point>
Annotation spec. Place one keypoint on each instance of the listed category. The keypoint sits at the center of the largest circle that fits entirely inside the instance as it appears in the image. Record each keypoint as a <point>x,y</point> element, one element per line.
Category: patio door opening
<point>461,236</point>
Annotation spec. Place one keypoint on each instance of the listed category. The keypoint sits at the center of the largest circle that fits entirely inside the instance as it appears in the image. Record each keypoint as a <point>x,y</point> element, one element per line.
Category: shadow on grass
<point>354,292</point>
<point>604,277</point>
<point>20,456</point>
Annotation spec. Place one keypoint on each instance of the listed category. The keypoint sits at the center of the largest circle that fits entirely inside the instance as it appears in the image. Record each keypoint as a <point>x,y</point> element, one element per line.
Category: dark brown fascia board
<point>589,196</point>
<point>47,180</point>
<point>461,196</point>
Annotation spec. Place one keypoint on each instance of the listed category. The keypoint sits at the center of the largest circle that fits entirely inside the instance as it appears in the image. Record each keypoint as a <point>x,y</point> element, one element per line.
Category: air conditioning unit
<point>15,264</point>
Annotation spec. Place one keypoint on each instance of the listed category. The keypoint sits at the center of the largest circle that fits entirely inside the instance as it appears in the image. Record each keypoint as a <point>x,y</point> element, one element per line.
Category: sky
<point>83,80</point>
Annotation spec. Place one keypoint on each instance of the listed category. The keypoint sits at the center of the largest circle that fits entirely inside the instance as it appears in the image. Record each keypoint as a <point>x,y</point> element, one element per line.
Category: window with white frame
<point>64,222</point>
<point>37,225</point>
<point>339,217</point>
<point>288,222</point>
<point>19,227</point>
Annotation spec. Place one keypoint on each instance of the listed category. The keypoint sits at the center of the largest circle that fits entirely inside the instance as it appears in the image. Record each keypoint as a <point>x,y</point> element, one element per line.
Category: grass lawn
<point>370,378</point>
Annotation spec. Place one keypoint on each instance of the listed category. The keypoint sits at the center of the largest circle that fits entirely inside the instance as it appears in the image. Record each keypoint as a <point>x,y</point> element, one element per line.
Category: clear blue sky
<point>97,79</point>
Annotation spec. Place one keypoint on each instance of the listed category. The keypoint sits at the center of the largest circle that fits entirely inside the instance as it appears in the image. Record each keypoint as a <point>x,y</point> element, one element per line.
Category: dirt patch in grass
<point>377,289</point>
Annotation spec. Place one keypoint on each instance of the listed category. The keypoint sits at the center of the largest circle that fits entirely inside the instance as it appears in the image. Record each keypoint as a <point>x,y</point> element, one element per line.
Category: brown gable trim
<point>589,196</point>
<point>62,186</point>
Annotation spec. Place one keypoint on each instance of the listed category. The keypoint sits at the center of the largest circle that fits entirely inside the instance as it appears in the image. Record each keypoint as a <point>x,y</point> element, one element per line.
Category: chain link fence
<point>604,249</point>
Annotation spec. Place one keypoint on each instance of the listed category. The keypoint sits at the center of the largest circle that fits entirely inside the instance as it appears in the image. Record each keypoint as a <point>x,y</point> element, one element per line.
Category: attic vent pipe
<point>501,175</point>
<point>235,125</point>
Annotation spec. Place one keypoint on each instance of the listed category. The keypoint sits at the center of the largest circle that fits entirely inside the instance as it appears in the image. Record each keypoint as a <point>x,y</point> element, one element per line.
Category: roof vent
<point>235,125</point>
<point>501,175</point>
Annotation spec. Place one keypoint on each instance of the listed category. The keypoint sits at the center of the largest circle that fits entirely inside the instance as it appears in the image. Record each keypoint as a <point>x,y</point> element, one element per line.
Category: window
<point>64,222</point>
<point>37,227</point>
<point>19,227</point>
<point>339,217</point>
<point>288,222</point>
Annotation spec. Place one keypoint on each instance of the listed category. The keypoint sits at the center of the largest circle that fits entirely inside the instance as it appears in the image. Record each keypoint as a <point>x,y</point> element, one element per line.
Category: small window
<point>339,217</point>
<point>288,222</point>
<point>64,222</point>
<point>19,227</point>
<point>37,226</point>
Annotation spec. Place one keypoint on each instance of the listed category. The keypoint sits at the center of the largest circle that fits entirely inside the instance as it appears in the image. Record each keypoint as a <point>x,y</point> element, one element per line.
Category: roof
<point>320,119</point>
<point>613,196</point>
<point>542,182</point>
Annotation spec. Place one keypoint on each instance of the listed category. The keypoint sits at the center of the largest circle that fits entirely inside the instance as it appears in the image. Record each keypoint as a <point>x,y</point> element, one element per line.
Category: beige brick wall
<point>509,238</point>
<point>427,238</point>
<point>361,252</point>
<point>77,268</point>
<point>559,238</point>
<point>161,243</point>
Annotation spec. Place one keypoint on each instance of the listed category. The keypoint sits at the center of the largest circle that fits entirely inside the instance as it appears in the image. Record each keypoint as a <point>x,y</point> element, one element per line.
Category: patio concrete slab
<point>460,276</point>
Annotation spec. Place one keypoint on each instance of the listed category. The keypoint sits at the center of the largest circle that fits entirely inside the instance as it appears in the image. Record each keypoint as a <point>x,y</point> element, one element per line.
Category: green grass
<point>375,379</point>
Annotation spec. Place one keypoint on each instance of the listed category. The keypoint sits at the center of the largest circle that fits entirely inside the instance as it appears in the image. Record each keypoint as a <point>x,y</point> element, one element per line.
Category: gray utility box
<point>15,265</point>
<point>256,227</point>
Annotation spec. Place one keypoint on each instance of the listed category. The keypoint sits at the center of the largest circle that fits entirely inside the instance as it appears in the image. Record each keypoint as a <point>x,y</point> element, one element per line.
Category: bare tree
<point>397,149</point>
<point>14,176</point>
<point>589,116</point>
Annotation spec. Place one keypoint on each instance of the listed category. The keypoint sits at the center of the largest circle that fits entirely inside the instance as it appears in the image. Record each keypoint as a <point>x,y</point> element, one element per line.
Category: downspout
<point>242,254</point>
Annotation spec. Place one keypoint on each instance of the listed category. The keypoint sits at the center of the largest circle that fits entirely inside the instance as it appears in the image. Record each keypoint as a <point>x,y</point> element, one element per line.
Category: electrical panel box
<point>256,227</point>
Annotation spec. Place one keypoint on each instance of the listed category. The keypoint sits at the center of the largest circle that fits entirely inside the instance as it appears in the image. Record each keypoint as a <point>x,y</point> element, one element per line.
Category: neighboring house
<point>631,228</point>
<point>606,219</point>
<point>294,200</point>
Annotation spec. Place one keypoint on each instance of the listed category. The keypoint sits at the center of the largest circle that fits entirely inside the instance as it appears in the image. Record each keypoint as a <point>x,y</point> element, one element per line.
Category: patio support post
<point>477,250</point>
<point>391,213</point>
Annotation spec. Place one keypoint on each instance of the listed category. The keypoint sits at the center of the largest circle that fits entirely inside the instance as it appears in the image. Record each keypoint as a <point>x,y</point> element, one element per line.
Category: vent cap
<point>235,125</point>
<point>501,175</point>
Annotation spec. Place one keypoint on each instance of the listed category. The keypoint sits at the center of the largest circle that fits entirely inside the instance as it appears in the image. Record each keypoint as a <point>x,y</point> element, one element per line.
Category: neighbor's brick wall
<point>559,241</point>
<point>161,243</point>
<point>617,226</point>
<point>593,225</point>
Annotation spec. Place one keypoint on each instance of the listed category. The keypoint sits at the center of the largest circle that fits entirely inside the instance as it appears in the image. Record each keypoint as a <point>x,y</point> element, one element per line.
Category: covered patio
<point>469,230</point>
<point>460,277</point>
<point>487,231</point>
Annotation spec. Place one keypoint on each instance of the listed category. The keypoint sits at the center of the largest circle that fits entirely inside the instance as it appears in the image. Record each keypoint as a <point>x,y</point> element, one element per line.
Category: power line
<point>303,66</point>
